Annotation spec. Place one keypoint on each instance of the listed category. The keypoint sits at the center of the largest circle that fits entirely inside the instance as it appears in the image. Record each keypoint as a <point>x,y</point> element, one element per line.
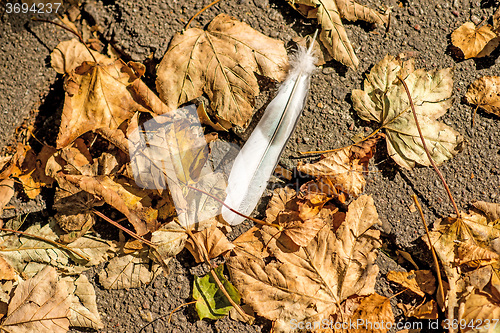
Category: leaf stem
<point>199,12</point>
<point>427,150</point>
<point>433,251</point>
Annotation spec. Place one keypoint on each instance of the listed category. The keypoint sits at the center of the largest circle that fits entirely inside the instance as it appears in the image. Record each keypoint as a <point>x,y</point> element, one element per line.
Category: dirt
<point>141,30</point>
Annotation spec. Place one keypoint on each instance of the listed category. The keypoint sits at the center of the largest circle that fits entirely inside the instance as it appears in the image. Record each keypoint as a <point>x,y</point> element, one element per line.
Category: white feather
<point>258,158</point>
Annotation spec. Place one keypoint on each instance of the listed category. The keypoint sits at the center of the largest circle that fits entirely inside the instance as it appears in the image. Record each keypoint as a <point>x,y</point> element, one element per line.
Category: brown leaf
<point>102,100</point>
<point>220,61</point>
<point>6,192</point>
<point>420,282</point>
<point>373,309</point>
<point>485,93</point>
<point>213,242</point>
<point>474,256</point>
<point>480,307</point>
<point>345,174</point>
<point>333,35</point>
<point>364,150</point>
<point>475,42</point>
<point>40,304</point>
<point>426,310</point>
<point>492,210</point>
<point>70,54</point>
<point>311,283</point>
<point>6,270</point>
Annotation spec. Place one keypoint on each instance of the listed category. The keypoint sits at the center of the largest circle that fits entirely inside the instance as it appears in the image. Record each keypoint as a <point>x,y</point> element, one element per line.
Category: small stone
<point>306,139</point>
<point>397,33</point>
<point>320,105</point>
<point>411,11</point>
<point>274,34</point>
<point>455,12</point>
<point>475,19</point>
<point>417,27</point>
<point>438,6</point>
<point>327,70</point>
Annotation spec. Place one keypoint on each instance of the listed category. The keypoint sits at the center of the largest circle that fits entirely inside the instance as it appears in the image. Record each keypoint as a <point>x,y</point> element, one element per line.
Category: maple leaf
<point>220,61</point>
<point>311,283</point>
<point>6,192</point>
<point>485,93</point>
<point>333,35</point>
<point>211,240</point>
<point>385,101</point>
<point>40,304</point>
<point>475,42</point>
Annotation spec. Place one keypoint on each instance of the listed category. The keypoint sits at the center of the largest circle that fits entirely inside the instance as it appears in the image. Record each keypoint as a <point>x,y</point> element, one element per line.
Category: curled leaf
<point>475,42</point>
<point>485,93</point>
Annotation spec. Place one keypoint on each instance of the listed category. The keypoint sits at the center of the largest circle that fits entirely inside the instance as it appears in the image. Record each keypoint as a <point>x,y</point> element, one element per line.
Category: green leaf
<point>210,300</point>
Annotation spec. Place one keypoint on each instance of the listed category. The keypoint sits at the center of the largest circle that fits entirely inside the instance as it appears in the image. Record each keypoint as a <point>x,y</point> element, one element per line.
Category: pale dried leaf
<point>40,304</point>
<point>312,282</point>
<point>70,54</point>
<point>485,93</point>
<point>6,270</point>
<point>126,271</point>
<point>169,241</point>
<point>344,173</point>
<point>385,101</point>
<point>473,41</point>
<point>220,61</point>
<point>480,307</point>
<point>333,35</point>
<point>213,242</point>
<point>475,256</point>
<point>492,210</point>
<point>83,308</point>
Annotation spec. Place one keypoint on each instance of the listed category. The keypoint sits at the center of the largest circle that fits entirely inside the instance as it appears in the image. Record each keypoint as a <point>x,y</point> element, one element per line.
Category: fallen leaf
<point>492,210</point>
<point>311,283</point>
<point>40,304</point>
<point>333,35</point>
<point>6,270</point>
<point>384,100</point>
<point>344,174</point>
<point>70,54</point>
<point>420,282</point>
<point>426,310</point>
<point>6,192</point>
<point>83,307</point>
<point>220,61</point>
<point>210,301</point>
<point>169,240</point>
<point>483,309</point>
<point>373,309</point>
<point>475,42</point>
<point>485,93</point>
<point>127,271</point>
<point>212,241</point>
<point>475,256</point>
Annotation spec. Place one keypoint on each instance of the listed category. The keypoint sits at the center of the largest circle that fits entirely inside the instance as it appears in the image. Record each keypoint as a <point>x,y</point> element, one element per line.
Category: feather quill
<point>259,156</point>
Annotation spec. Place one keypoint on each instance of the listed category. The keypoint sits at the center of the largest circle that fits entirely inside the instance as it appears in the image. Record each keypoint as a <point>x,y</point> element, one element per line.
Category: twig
<point>337,149</point>
<point>425,147</point>
<point>119,226</point>
<point>68,29</point>
<point>201,11</point>
<point>47,241</point>
<point>433,251</point>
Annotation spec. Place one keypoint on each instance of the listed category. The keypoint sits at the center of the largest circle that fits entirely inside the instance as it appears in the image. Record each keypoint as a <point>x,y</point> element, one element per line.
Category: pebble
<point>455,12</point>
<point>327,70</point>
<point>417,27</point>
<point>438,6</point>
<point>397,33</point>
<point>475,19</point>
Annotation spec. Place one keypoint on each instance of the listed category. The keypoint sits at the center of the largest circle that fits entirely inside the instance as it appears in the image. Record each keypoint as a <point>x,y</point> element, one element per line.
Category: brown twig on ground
<point>201,11</point>
<point>427,150</point>
<point>433,251</point>
<point>48,241</point>
<point>119,226</point>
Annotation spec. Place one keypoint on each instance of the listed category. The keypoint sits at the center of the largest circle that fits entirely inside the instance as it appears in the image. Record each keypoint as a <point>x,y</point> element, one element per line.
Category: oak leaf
<point>485,93</point>
<point>475,42</point>
<point>333,35</point>
<point>220,61</point>
<point>40,304</point>
<point>311,283</point>
<point>385,101</point>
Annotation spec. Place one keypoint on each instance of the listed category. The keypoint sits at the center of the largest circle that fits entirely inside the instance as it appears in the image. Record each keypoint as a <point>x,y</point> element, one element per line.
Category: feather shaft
<point>259,156</point>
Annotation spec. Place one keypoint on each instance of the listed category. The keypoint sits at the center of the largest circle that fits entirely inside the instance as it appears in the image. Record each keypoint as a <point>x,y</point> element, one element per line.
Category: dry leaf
<point>484,310</point>
<point>344,174</point>
<point>333,35</point>
<point>475,256</point>
<point>213,242</point>
<point>426,310</point>
<point>311,283</point>
<point>221,62</point>
<point>70,54</point>
<point>384,100</point>
<point>492,210</point>
<point>6,270</point>
<point>6,192</point>
<point>169,241</point>
<point>485,93</point>
<point>420,282</point>
<point>40,304</point>
<point>127,271</point>
<point>373,309</point>
<point>83,308</point>
<point>475,42</point>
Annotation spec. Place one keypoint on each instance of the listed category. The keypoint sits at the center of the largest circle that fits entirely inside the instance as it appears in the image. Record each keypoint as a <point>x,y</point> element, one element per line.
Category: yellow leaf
<point>485,93</point>
<point>475,42</point>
